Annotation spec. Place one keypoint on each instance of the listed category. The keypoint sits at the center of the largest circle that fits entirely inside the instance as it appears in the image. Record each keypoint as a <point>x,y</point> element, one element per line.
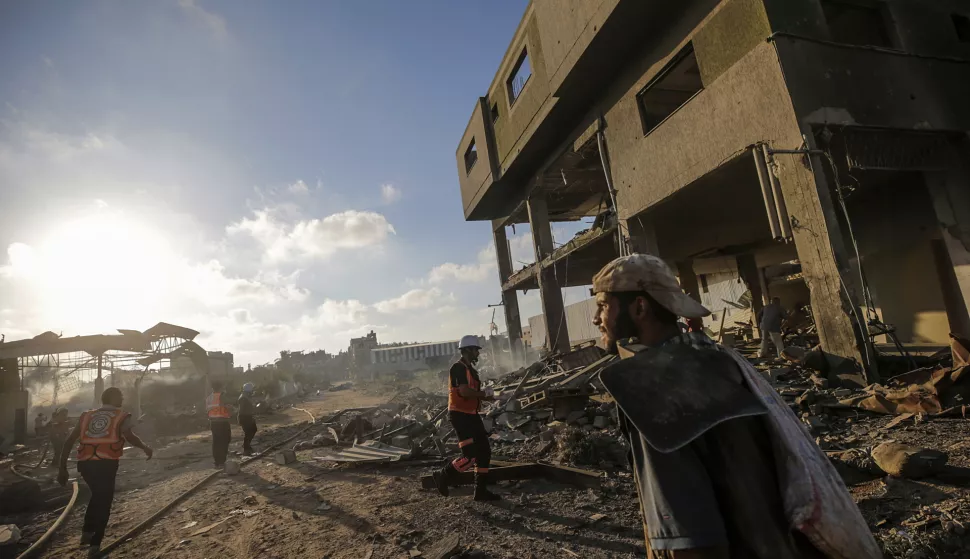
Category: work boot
<point>481,491</point>
<point>86,538</point>
<point>443,477</point>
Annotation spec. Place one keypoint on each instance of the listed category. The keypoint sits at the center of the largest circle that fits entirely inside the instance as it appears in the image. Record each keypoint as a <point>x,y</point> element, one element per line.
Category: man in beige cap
<point>702,436</point>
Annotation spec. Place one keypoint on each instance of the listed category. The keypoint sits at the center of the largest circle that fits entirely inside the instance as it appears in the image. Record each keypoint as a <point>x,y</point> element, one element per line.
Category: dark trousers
<point>221,436</point>
<point>473,441</point>
<point>100,476</point>
<point>248,424</point>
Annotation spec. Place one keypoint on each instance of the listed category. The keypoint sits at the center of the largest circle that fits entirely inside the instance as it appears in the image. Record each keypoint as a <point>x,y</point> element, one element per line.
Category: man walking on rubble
<point>771,318</point>
<point>704,430</point>
<point>246,413</point>
<point>465,395</point>
<point>102,434</point>
<point>218,412</point>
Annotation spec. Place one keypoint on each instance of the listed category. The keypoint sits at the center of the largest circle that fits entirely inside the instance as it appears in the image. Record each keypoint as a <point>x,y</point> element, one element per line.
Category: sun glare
<point>99,273</point>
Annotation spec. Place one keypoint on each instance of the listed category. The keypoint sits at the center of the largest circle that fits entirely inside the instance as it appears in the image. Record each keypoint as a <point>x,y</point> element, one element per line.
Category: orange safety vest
<point>101,437</point>
<point>215,408</point>
<point>455,400</point>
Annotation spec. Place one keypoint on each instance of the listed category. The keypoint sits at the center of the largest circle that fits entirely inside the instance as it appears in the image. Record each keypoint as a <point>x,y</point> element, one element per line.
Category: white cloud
<point>390,193</point>
<point>47,61</point>
<point>412,300</point>
<point>313,238</point>
<point>208,284</point>
<point>299,187</point>
<point>215,22</point>
<point>466,273</point>
<point>338,313</point>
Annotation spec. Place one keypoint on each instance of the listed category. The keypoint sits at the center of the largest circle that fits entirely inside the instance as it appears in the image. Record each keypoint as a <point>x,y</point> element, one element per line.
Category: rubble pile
<point>901,445</point>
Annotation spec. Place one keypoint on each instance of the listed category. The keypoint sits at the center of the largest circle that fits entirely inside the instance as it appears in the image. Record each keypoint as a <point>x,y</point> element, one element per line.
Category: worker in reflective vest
<point>218,412</point>
<point>101,435</point>
<point>465,395</point>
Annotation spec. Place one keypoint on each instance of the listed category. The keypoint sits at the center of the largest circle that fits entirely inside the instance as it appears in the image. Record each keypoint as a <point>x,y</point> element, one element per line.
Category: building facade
<point>825,136</point>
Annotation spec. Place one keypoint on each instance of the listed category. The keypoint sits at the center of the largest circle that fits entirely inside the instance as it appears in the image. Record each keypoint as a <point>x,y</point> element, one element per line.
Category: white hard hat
<point>469,341</point>
<point>248,387</point>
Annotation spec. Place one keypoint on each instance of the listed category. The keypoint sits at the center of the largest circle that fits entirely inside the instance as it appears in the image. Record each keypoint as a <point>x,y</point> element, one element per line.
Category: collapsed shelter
<point>814,149</point>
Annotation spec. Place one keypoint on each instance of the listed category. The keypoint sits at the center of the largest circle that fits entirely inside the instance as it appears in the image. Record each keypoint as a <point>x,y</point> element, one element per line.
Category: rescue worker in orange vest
<point>101,434</point>
<point>218,411</point>
<point>464,398</point>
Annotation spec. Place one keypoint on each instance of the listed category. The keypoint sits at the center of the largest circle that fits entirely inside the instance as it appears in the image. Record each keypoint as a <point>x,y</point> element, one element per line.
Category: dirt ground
<point>317,509</point>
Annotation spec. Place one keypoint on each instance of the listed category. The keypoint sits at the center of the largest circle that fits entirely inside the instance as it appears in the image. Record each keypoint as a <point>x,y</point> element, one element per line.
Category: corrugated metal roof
<point>370,451</point>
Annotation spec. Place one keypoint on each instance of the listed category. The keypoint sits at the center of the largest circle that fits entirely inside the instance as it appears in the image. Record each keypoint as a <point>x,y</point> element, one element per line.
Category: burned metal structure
<point>66,363</point>
<point>813,150</point>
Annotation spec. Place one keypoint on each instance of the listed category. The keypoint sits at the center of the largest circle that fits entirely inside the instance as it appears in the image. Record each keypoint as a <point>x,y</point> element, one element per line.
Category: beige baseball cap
<point>645,272</point>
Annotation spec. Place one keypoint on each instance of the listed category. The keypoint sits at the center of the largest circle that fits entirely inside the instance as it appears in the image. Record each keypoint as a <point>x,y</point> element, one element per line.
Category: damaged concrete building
<point>814,149</point>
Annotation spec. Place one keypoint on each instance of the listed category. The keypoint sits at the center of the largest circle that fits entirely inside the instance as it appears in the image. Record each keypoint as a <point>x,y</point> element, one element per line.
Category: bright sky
<point>274,175</point>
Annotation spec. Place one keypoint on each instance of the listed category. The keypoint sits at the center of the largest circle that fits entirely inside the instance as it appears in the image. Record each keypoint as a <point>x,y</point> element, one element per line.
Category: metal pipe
<point>780,207</point>
<point>766,192</point>
<point>601,146</point>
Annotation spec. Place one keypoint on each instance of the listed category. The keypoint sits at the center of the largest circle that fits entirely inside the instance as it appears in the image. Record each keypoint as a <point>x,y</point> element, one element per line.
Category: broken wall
<point>895,226</point>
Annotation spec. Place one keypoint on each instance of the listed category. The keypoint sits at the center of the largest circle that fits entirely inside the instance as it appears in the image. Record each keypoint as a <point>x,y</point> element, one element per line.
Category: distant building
<point>360,350</point>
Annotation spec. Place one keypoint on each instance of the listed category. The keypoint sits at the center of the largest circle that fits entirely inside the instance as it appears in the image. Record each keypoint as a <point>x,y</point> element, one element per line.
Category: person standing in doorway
<point>772,316</point>
<point>465,395</point>
<point>218,412</point>
<point>246,413</point>
<point>102,434</point>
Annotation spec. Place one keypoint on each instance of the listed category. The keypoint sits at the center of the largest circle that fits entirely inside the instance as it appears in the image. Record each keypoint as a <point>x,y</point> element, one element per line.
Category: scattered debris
<point>9,534</point>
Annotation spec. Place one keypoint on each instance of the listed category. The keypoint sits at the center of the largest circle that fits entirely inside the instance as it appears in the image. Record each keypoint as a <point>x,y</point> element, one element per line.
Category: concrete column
<point>557,333</point>
<point>950,192</point>
<point>643,237</point>
<point>823,254</point>
<point>752,276</point>
<point>513,322</point>
<point>688,279</point>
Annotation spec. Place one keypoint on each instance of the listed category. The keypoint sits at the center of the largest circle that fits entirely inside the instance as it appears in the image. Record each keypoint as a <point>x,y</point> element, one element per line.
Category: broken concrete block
<point>575,416</point>
<point>9,534</point>
<point>508,419</point>
<point>488,422</point>
<point>546,436</point>
<point>513,405</point>
<point>582,421</point>
<point>401,441</point>
<point>601,422</point>
<point>902,460</point>
<point>285,457</point>
<point>232,467</point>
<point>556,426</point>
<point>774,375</point>
<point>842,393</point>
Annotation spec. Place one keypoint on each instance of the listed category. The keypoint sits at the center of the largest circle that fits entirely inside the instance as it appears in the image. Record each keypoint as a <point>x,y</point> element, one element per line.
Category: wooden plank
<point>505,473</point>
<point>571,476</point>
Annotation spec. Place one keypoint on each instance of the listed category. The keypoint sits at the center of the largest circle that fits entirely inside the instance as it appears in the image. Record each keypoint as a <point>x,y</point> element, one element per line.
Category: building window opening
<point>494,113</point>
<point>471,156</point>
<point>670,90</point>
<point>520,76</point>
<point>858,23</point>
<point>703,280</point>
<point>962,25</point>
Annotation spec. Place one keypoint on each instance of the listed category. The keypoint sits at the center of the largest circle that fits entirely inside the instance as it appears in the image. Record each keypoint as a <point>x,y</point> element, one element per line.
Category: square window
<point>519,77</point>
<point>676,84</point>
<point>858,22</point>
<point>471,156</point>
<point>962,25</point>
<point>703,278</point>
